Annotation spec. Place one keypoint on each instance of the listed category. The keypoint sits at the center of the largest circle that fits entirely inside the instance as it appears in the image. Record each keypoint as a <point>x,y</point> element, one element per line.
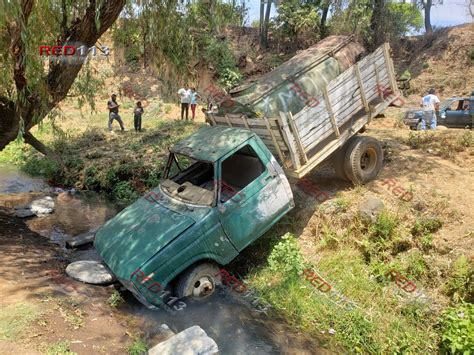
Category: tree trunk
<point>262,10</point>
<point>26,110</point>
<point>40,147</point>
<point>265,24</point>
<point>376,21</point>
<point>324,17</point>
<point>427,5</point>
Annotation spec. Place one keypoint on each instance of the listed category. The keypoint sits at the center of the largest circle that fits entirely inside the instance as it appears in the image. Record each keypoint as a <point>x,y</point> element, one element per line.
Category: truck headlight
<point>411,115</point>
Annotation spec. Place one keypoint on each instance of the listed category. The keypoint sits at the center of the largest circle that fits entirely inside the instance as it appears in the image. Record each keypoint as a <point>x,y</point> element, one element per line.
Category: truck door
<point>251,196</point>
<point>455,114</point>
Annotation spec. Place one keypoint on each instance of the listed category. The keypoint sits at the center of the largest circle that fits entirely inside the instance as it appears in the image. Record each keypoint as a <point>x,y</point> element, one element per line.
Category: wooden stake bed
<point>305,139</point>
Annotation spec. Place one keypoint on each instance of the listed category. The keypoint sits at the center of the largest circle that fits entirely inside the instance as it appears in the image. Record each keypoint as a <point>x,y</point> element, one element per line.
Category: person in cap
<point>113,107</point>
<point>430,104</point>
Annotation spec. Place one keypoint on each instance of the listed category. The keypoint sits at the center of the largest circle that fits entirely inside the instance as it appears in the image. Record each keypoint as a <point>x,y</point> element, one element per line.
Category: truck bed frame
<point>302,141</point>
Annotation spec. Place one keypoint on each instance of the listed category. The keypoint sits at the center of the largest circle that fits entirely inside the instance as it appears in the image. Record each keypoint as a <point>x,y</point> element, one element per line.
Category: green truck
<point>227,184</point>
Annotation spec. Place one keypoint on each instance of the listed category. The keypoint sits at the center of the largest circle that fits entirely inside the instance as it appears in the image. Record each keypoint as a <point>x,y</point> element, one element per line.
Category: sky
<point>450,13</point>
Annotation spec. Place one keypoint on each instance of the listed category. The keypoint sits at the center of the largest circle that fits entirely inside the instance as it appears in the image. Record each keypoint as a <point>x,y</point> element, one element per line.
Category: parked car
<point>455,112</point>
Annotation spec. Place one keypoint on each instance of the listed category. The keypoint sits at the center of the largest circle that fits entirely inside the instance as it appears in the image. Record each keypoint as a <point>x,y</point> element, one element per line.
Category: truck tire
<point>339,158</point>
<point>363,160</point>
<point>198,281</point>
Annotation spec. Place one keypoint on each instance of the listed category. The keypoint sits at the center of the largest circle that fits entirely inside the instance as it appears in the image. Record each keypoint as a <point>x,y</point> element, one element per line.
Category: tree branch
<point>35,143</point>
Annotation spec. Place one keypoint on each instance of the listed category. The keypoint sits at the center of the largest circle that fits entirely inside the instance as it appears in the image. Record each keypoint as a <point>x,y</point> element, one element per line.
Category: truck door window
<point>456,105</point>
<point>239,170</point>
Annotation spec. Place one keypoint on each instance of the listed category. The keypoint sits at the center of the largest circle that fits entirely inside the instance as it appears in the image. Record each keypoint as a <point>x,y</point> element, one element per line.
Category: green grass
<point>115,299</point>
<point>15,320</point>
<point>123,166</point>
<point>137,347</point>
<point>380,324</point>
<point>59,348</point>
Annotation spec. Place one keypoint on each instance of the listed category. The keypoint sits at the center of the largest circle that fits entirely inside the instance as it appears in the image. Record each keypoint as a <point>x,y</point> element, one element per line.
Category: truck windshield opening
<point>189,180</point>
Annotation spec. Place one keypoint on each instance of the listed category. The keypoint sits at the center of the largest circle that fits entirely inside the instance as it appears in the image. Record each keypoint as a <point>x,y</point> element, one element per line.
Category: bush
<point>286,256</point>
<point>124,191</point>
<point>138,347</point>
<point>460,286</point>
<point>426,226</point>
<point>457,327</point>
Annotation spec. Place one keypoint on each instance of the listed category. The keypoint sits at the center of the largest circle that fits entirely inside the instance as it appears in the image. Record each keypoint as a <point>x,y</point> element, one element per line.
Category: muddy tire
<point>363,160</point>
<point>198,281</point>
<point>338,160</point>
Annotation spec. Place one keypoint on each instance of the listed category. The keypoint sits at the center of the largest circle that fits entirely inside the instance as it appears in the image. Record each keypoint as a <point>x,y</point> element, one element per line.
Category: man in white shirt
<point>430,104</point>
<point>185,97</point>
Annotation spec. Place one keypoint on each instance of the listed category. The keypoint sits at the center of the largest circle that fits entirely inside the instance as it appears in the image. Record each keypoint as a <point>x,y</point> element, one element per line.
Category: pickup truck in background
<point>225,185</point>
<point>455,112</point>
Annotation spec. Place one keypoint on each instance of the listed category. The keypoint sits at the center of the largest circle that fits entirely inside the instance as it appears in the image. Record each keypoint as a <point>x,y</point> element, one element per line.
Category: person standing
<point>194,97</point>
<point>185,97</point>
<point>113,107</point>
<point>430,104</point>
<point>137,116</point>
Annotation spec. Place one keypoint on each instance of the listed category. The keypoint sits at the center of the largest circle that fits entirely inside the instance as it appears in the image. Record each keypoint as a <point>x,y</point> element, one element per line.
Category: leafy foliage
<point>457,330</point>
<point>296,17</point>
<point>286,256</point>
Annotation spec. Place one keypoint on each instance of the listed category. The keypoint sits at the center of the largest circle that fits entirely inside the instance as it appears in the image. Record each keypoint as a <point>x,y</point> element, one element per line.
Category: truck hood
<point>137,233</point>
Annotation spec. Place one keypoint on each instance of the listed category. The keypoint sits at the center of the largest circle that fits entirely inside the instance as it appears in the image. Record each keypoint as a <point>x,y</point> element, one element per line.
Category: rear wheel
<point>363,160</point>
<point>198,281</point>
<point>338,160</point>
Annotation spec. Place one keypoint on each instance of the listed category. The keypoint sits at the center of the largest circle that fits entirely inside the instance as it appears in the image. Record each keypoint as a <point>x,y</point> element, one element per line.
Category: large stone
<point>91,272</point>
<point>370,208</point>
<point>23,212</point>
<point>81,239</point>
<point>191,341</point>
<point>42,206</point>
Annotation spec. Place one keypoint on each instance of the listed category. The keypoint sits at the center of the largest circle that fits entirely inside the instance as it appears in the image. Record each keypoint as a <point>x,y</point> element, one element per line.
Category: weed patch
<point>15,320</point>
<point>59,348</point>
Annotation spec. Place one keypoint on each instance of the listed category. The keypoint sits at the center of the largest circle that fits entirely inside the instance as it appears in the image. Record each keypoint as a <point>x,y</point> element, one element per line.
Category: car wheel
<point>198,281</point>
<point>363,160</point>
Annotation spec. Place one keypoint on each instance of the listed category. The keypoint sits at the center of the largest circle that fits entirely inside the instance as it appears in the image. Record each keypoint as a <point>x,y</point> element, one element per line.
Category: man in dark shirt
<point>113,107</point>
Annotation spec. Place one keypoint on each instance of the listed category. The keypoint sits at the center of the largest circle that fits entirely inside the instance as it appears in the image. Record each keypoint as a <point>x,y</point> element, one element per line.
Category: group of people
<point>113,107</point>
<point>188,97</point>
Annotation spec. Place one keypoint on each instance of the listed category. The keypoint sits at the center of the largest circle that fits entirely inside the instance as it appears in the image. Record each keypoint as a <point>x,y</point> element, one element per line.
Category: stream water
<point>236,328</point>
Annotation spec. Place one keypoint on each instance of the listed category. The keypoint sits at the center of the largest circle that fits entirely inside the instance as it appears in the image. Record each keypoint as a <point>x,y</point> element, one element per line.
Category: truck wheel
<point>363,160</point>
<point>339,158</point>
<point>198,281</point>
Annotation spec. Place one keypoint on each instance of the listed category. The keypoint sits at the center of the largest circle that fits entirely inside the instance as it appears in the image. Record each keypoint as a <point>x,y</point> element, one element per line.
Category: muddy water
<point>233,324</point>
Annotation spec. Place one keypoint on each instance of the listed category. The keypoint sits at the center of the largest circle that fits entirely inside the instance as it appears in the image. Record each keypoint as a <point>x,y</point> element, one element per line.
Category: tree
<point>29,89</point>
<point>324,15</point>
<point>377,23</point>
<point>264,22</point>
<point>296,17</point>
<point>426,5</point>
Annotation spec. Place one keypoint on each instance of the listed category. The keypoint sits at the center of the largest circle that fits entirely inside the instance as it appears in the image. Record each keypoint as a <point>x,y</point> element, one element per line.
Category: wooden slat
<point>228,120</point>
<point>275,143</point>
<point>246,123</point>
<point>289,139</point>
<point>211,119</point>
<point>297,136</point>
<point>331,114</point>
<point>391,71</point>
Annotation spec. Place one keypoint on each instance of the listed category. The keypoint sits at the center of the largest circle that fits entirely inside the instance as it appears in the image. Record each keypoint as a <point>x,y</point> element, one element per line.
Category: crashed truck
<point>227,184</point>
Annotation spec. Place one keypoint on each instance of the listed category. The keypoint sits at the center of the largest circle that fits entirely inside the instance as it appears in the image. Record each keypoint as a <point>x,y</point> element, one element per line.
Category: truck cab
<point>455,112</point>
<point>221,190</point>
